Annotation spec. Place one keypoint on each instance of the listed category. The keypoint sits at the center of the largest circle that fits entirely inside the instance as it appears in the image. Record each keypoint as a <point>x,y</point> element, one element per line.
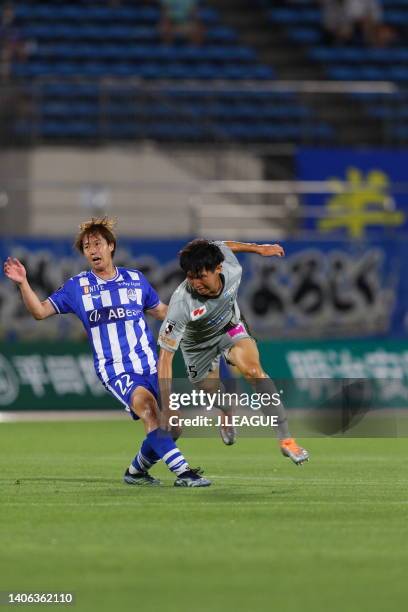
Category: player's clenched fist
<point>268,250</point>
<point>14,270</point>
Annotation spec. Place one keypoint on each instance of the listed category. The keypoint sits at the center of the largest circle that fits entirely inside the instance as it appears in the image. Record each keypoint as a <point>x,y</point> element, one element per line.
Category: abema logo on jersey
<point>109,314</point>
<point>94,316</point>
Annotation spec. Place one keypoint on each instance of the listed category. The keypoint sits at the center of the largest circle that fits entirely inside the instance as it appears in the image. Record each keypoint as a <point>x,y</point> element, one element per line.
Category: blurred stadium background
<point>243,119</point>
<point>254,120</point>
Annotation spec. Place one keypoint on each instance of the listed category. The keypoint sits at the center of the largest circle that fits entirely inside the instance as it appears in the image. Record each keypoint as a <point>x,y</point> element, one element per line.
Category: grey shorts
<point>201,359</point>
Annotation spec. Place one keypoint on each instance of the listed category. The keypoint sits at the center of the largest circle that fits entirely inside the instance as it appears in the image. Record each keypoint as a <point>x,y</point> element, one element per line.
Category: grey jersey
<point>193,319</point>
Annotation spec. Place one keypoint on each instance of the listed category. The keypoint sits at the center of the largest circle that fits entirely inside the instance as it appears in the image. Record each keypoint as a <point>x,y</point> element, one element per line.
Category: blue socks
<point>163,445</point>
<point>159,444</point>
<point>144,459</point>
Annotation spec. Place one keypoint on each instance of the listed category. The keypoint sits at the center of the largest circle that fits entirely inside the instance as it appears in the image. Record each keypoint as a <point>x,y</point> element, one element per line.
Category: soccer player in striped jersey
<point>111,303</point>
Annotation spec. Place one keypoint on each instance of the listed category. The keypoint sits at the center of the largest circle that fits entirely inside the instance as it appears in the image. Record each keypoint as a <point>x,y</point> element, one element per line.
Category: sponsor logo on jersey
<point>198,312</point>
<point>219,318</point>
<point>86,289</point>
<point>128,284</point>
<point>110,314</point>
<point>94,316</point>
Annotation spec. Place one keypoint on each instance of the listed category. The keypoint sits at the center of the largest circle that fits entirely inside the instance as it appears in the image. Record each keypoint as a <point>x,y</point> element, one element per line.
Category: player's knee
<point>252,370</point>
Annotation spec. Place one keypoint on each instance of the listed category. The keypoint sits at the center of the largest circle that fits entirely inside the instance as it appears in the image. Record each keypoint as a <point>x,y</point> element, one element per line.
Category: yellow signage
<point>362,201</point>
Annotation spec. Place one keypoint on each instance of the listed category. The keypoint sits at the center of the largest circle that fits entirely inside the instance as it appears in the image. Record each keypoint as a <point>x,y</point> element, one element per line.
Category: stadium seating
<point>354,62</point>
<point>85,110</point>
<point>79,47</point>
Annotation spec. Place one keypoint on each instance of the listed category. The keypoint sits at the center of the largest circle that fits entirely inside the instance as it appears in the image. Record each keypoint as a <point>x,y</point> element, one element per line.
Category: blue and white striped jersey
<point>112,314</point>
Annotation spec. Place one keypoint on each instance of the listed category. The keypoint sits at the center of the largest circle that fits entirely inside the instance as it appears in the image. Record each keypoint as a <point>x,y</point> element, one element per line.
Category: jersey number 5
<point>192,370</point>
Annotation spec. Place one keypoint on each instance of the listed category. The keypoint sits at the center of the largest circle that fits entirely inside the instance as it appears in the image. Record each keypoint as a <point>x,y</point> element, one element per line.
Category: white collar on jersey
<point>106,280</point>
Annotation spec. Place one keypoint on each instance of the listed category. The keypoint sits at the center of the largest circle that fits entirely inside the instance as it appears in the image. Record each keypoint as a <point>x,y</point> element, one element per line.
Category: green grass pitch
<point>329,536</point>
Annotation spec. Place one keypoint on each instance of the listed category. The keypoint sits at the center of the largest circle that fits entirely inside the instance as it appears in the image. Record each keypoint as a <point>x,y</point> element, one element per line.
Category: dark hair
<point>199,255</point>
<point>103,226</point>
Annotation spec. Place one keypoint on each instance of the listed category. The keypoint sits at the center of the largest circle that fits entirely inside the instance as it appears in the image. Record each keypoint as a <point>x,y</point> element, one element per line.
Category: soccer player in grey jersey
<point>205,321</point>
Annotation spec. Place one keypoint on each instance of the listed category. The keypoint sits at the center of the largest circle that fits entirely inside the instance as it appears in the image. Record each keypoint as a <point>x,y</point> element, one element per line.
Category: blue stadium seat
<point>88,41</point>
<point>305,36</point>
<point>398,73</point>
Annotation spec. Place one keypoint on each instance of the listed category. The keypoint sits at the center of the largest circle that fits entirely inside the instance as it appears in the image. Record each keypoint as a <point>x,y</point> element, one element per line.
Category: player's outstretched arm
<point>15,271</point>
<point>159,312</point>
<point>266,250</point>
